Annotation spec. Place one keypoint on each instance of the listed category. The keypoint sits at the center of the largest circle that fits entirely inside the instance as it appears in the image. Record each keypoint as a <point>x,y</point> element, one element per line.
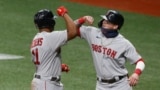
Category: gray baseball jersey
<point>45,51</point>
<point>109,54</point>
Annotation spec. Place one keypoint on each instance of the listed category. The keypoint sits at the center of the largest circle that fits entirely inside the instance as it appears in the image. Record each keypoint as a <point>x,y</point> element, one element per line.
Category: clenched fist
<point>61,11</point>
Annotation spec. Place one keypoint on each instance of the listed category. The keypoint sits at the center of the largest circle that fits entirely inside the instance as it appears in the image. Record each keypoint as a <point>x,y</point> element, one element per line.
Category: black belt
<point>111,80</point>
<point>52,79</point>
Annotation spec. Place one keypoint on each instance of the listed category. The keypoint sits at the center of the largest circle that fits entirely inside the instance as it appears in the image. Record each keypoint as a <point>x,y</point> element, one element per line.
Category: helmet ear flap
<point>100,23</point>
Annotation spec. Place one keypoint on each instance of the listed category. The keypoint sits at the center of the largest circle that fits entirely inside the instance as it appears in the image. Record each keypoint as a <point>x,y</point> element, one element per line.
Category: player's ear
<point>100,23</point>
<point>36,26</point>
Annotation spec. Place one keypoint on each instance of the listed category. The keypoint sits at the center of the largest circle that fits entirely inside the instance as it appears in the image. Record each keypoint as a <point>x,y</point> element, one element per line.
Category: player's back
<point>45,51</point>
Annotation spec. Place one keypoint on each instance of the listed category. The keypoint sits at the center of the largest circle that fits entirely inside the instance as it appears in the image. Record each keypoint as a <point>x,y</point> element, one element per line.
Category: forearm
<point>85,19</point>
<point>79,22</point>
<point>71,26</point>
<point>139,66</point>
<point>133,79</point>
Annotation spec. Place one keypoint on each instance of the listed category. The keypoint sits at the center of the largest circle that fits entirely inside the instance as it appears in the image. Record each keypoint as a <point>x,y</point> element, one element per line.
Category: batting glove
<point>65,68</point>
<point>61,11</point>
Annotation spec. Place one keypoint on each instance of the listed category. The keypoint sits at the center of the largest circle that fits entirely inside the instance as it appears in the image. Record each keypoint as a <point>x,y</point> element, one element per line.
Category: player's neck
<point>45,29</point>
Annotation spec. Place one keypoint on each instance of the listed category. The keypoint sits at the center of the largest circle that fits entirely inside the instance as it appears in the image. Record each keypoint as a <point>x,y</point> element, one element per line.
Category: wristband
<point>81,20</point>
<point>138,71</point>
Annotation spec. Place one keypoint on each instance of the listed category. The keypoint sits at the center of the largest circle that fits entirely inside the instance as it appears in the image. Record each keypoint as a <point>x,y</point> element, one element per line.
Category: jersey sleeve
<point>132,54</point>
<point>85,31</point>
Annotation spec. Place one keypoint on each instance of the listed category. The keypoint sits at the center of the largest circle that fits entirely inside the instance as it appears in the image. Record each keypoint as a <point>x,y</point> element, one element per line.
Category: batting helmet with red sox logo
<point>113,17</point>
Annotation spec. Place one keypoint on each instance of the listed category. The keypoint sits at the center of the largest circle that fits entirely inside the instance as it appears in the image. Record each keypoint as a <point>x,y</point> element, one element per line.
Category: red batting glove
<point>65,68</point>
<point>61,11</point>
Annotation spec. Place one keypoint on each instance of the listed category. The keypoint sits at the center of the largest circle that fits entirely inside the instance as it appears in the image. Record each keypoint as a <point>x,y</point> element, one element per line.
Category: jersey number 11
<point>36,59</point>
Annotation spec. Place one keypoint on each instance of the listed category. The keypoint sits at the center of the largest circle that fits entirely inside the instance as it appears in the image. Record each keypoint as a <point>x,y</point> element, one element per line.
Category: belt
<point>52,79</point>
<point>111,80</point>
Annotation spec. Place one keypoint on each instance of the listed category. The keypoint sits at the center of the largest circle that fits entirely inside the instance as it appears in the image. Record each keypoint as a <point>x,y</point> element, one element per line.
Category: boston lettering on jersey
<point>106,51</point>
<point>37,42</point>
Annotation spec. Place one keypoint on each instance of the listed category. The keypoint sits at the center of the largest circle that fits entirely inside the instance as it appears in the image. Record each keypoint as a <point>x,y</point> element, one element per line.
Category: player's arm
<point>71,27</point>
<point>85,19</point>
<point>133,79</point>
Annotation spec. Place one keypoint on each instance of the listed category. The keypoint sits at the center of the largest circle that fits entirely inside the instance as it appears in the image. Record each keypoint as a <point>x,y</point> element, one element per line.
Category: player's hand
<point>133,79</point>
<point>61,11</point>
<point>88,19</point>
<point>85,19</point>
<point>65,67</point>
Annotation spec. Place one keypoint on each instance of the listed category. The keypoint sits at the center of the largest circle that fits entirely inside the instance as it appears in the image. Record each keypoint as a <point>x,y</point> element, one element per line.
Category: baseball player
<point>46,49</point>
<point>110,51</point>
